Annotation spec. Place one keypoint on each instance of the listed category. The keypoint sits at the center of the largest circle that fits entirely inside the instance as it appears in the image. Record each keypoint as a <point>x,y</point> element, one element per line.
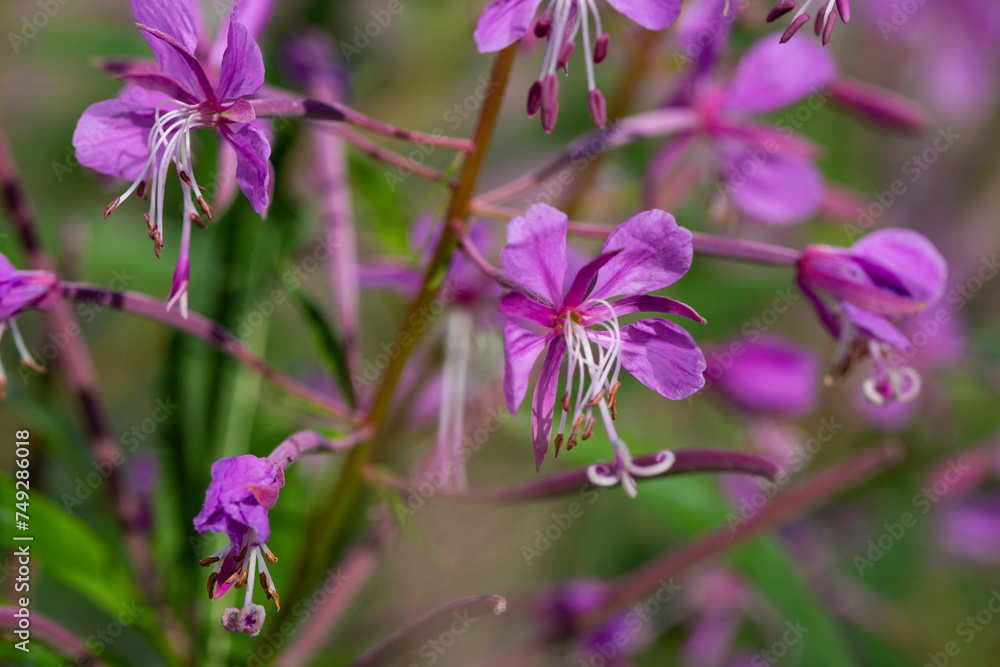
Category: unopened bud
<point>601,48</point>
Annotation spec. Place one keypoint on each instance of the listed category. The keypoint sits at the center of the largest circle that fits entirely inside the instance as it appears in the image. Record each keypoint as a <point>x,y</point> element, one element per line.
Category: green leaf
<point>328,345</point>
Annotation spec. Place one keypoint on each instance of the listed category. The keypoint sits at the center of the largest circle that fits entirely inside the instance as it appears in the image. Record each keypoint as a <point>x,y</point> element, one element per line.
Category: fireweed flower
<point>767,173</point>
<point>149,125</point>
<point>503,22</point>
<point>242,491</point>
<point>573,317</point>
<point>826,17</point>
<point>20,291</point>
<point>890,273</point>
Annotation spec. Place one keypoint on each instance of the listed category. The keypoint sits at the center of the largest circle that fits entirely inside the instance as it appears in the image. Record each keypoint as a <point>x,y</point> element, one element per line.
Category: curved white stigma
<point>626,470</point>
<point>891,382</point>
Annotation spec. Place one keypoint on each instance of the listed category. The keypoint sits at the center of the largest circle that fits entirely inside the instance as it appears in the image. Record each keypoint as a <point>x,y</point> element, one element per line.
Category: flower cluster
<point>21,291</point>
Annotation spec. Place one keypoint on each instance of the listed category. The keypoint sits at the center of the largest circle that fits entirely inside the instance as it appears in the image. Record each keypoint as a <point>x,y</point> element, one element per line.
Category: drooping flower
<point>888,274</point>
<point>503,22</point>
<point>573,317</point>
<point>242,491</point>
<point>21,291</point>
<point>826,18</point>
<point>768,173</point>
<point>138,134</point>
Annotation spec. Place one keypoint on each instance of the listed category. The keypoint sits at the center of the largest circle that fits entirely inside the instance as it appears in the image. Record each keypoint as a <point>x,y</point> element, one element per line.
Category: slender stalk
<point>49,632</point>
<point>578,158</point>
<point>341,502</point>
<point>471,606</point>
<point>724,247</point>
<point>391,157</point>
<point>337,206</point>
<point>351,575</point>
<point>803,497</point>
<point>311,442</point>
<point>201,327</point>
<point>287,107</point>
<point>568,481</point>
<point>83,383</point>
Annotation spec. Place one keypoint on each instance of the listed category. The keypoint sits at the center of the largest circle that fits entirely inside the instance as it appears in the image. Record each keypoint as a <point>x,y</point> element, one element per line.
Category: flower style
<point>139,133</point>
<point>767,173</point>
<point>503,22</point>
<point>887,274</point>
<point>645,253</point>
<point>826,18</point>
<point>242,491</point>
<point>20,291</point>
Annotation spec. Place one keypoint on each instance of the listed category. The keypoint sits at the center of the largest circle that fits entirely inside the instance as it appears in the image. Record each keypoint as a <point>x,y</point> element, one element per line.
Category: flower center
<point>247,556</point>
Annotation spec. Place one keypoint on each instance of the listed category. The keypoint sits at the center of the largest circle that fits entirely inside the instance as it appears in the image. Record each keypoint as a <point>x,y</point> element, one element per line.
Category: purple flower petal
<point>778,187</point>
<point>535,255</point>
<point>242,70</point>
<point>661,355</point>
<point>521,350</point>
<point>111,137</point>
<point>21,290</point>
<point>904,260</point>
<point>875,326</point>
<point>517,305</point>
<point>770,376</point>
<point>252,171</point>
<point>242,490</point>
<point>148,75</point>
<point>647,303</point>
<point>503,22</point>
<point>656,253</point>
<point>173,18</point>
<point>254,14</point>
<point>972,530</point>
<point>650,14</point>
<point>772,75</point>
<point>192,73</point>
<point>580,286</point>
<point>390,275</point>
<point>544,401</point>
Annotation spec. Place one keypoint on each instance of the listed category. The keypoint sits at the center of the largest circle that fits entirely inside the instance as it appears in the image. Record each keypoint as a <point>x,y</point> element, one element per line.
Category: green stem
<point>341,502</point>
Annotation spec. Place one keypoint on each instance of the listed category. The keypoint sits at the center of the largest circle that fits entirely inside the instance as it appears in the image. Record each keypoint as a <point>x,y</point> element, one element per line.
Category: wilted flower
<point>21,291</point>
<point>242,491</point>
<point>505,21</point>
<point>888,274</point>
<point>148,126</point>
<point>645,253</point>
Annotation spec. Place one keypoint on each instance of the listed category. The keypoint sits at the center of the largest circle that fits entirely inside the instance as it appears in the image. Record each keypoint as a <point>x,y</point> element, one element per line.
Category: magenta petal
<point>503,22</point>
<point>650,14</point>
<point>149,76</point>
<point>173,18</point>
<point>190,70</point>
<point>515,304</point>
<point>252,171</point>
<point>580,287</point>
<point>544,401</point>
<point>656,253</point>
<point>242,70</point>
<point>390,275</point>
<point>521,350</point>
<point>111,137</point>
<point>535,255</point>
<point>254,14</point>
<point>777,187</point>
<point>972,530</point>
<point>904,260</point>
<point>641,303</point>
<point>661,355</point>
<point>876,326</point>
<point>772,75</point>
<point>769,376</point>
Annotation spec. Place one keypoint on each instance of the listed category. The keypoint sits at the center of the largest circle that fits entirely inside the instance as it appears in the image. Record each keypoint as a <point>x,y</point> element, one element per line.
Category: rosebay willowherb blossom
<point>573,317</point>
<point>767,173</point>
<point>242,491</point>
<point>138,134</point>
<point>826,17</point>
<point>888,274</point>
<point>503,22</point>
<point>21,291</point>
